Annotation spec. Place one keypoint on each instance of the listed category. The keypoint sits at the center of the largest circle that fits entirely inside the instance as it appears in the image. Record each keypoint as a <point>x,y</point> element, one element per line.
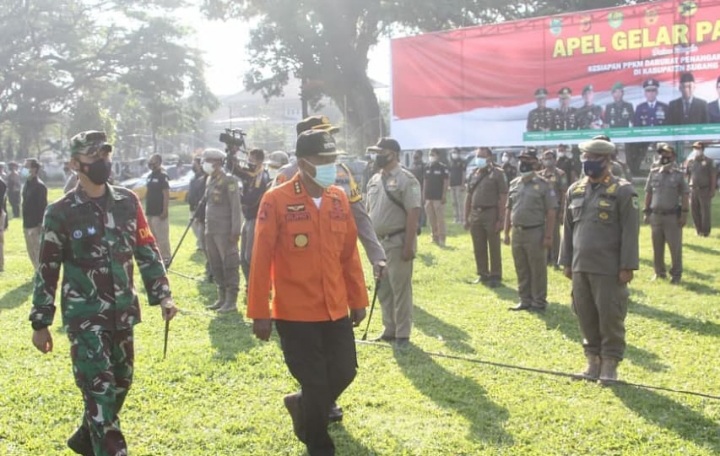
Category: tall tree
<point>326,43</point>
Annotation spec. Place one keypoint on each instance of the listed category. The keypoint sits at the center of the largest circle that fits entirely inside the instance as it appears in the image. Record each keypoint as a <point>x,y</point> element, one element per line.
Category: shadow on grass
<point>561,317</point>
<point>16,297</point>
<point>229,335</point>
<point>453,337</point>
<point>687,424</point>
<point>700,249</point>
<point>428,259</point>
<point>346,443</point>
<point>686,272</point>
<point>677,321</point>
<point>460,394</point>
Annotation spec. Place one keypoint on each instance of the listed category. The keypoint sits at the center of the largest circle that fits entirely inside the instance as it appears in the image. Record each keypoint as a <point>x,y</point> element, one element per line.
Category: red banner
<point>477,86</point>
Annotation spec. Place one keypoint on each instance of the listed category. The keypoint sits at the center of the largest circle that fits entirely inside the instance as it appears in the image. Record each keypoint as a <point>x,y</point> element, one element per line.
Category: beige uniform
<point>485,189</point>
<point>667,189</point>
<point>388,220</point>
<point>558,180</point>
<point>529,202</point>
<point>702,175</point>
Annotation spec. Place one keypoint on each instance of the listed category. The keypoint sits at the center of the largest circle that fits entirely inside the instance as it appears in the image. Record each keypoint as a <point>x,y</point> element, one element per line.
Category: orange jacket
<point>309,256</point>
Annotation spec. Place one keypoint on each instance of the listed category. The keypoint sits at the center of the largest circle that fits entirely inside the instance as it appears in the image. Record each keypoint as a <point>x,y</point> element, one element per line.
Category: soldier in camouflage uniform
<point>619,113</point>
<point>540,118</point>
<point>590,115</point>
<point>565,116</point>
<point>94,232</point>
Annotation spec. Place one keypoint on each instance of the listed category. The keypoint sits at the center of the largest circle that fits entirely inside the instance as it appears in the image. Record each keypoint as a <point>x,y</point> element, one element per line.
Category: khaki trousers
<point>161,230</point>
<point>395,290</point>
<point>32,243</point>
<point>665,229</point>
<point>486,244</point>
<point>530,260</point>
<point>436,217</point>
<point>600,303</point>
<point>700,203</point>
<point>458,197</point>
<point>224,259</point>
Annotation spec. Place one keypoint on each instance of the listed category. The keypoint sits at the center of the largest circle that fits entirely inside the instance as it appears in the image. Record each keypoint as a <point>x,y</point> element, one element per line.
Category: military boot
<point>80,442</point>
<point>608,370</point>
<point>592,371</point>
<point>230,305</point>
<point>220,299</point>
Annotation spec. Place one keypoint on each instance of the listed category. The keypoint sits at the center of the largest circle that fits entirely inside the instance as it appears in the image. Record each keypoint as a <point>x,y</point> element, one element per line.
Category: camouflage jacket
<point>96,247</point>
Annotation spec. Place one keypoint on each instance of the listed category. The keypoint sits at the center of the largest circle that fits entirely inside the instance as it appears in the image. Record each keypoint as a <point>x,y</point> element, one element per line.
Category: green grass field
<point>219,392</point>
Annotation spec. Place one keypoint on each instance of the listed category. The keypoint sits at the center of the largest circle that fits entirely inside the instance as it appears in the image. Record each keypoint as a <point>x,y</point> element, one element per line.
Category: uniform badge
<point>603,203</point>
<point>611,189</point>
<point>77,234</point>
<point>635,202</point>
<point>295,207</point>
<point>604,216</point>
<point>91,231</point>
<point>301,240</point>
<point>536,187</point>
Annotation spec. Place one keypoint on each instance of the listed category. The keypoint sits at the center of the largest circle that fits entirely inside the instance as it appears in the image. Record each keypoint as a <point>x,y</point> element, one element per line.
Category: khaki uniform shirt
<point>388,217</point>
<point>485,187</point>
<point>667,188</point>
<point>701,172</point>
<point>223,213</point>
<point>529,201</point>
<point>601,227</point>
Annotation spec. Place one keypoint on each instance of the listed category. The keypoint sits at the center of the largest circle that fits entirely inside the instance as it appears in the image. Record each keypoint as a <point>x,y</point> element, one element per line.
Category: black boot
<point>80,442</point>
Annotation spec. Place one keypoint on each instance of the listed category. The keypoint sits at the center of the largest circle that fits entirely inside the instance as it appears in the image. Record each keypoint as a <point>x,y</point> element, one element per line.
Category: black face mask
<point>666,160</point>
<point>382,161</point>
<point>526,167</point>
<point>98,172</point>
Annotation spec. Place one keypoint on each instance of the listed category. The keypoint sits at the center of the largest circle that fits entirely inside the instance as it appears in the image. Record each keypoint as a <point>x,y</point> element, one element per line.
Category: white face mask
<point>208,168</point>
<point>273,173</point>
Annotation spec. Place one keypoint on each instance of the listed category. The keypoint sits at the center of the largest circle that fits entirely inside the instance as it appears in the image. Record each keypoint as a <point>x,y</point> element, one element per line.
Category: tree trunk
<point>362,115</point>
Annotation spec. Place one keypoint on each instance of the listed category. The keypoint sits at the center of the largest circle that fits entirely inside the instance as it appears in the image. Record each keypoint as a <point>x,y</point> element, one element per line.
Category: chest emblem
<point>77,234</point>
<point>301,240</point>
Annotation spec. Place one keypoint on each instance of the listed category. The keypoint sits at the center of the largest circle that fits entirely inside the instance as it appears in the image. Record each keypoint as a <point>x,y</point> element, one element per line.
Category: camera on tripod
<point>233,138</point>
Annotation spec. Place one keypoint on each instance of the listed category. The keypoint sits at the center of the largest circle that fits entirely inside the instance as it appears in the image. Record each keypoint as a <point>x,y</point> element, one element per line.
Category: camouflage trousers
<point>103,367</point>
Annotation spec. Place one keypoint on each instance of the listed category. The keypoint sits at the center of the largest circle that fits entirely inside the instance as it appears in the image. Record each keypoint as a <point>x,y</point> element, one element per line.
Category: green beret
<point>617,86</point>
<point>597,147</point>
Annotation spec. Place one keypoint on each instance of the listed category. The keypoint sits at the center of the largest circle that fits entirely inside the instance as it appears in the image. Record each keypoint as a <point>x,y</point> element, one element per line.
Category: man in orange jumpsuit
<point>306,250</point>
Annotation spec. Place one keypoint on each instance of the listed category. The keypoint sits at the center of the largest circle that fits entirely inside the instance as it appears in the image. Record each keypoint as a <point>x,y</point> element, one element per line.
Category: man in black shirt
<point>157,200</point>
<point>194,198</point>
<point>34,202</point>
<point>436,183</point>
<point>255,182</point>
<point>457,184</point>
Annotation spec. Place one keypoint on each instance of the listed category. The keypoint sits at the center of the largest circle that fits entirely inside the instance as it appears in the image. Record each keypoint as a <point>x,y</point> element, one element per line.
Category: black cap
<point>686,77</point>
<point>530,153</point>
<point>651,84</point>
<point>588,88</point>
<point>665,147</point>
<point>541,93</point>
<point>316,142</point>
<point>385,144</point>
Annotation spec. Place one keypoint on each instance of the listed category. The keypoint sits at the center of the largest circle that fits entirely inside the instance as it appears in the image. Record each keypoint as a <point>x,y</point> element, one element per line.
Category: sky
<point>223,44</point>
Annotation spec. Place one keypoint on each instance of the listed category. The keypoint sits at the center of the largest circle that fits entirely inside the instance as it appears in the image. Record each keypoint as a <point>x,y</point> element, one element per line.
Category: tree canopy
<point>326,43</point>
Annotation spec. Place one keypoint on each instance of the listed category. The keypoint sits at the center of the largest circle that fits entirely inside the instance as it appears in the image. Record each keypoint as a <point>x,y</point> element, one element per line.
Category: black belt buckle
<point>525,228</point>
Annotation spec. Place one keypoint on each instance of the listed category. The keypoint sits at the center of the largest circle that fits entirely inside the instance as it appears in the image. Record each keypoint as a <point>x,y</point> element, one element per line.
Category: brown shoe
<point>592,371</point>
<point>293,404</point>
<point>608,371</point>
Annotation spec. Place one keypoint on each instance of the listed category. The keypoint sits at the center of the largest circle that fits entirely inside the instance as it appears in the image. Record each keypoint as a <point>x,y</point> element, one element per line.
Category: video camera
<point>234,140</point>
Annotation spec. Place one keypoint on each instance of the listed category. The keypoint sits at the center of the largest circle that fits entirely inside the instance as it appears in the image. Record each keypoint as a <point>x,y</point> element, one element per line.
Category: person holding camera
<point>157,201</point>
<point>223,226</point>
<point>255,182</point>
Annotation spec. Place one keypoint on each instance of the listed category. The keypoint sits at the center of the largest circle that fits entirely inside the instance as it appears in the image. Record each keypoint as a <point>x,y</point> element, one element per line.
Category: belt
<point>525,228</point>
<point>695,187</point>
<point>668,212</point>
<point>388,236</point>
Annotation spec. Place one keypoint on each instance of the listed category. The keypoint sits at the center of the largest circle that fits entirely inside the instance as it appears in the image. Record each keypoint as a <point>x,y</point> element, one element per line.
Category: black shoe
<point>293,404</point>
<point>494,283</point>
<point>384,338</point>
<point>538,309</point>
<point>336,413</point>
<point>675,280</point>
<point>661,276</point>
<point>80,442</point>
<point>402,342</point>
<point>520,306</point>
<point>479,280</point>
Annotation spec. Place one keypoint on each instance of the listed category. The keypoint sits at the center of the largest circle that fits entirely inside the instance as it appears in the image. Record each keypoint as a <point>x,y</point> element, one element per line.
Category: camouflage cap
<point>89,143</point>
<point>277,159</point>
<point>316,123</point>
<point>698,145</point>
<point>530,154</point>
<point>597,147</point>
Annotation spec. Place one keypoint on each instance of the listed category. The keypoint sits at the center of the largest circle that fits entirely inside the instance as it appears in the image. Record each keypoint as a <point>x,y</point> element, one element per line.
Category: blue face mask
<point>24,173</point>
<point>325,175</point>
<point>593,168</point>
<point>480,162</point>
